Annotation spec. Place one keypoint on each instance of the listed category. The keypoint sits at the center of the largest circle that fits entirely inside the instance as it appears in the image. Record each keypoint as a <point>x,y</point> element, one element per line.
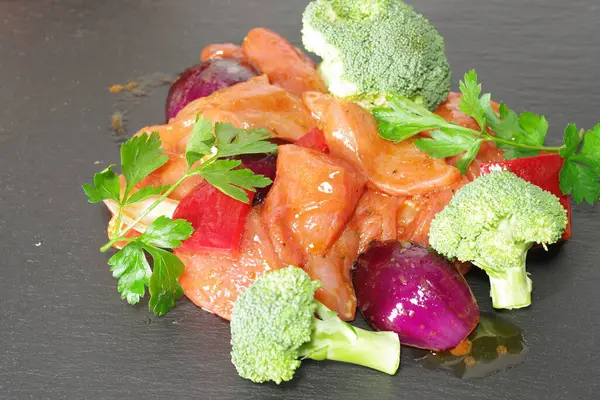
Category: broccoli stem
<point>334,339</point>
<point>511,289</point>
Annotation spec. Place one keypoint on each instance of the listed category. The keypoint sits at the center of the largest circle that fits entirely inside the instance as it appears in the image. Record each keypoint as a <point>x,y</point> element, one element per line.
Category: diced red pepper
<point>315,139</point>
<point>543,171</point>
<point>217,218</point>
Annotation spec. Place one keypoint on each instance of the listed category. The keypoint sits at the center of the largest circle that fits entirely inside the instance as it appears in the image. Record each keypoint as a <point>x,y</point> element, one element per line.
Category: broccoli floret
<point>273,327</point>
<point>493,222</point>
<point>372,48</point>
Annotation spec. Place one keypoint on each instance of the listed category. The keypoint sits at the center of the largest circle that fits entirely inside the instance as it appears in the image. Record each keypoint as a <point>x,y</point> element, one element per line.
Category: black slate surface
<point>65,333</point>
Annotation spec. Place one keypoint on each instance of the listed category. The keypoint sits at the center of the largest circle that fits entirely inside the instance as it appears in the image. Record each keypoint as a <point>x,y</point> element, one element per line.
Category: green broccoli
<point>493,222</point>
<point>273,324</point>
<point>372,48</point>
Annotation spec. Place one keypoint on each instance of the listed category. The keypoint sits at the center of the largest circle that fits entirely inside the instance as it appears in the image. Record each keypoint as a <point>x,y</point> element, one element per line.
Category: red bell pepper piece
<point>543,171</point>
<point>315,139</point>
<point>217,218</point>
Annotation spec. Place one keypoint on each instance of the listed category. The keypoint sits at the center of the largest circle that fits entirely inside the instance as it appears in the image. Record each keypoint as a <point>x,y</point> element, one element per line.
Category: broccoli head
<point>372,48</point>
<point>273,326</point>
<point>493,222</point>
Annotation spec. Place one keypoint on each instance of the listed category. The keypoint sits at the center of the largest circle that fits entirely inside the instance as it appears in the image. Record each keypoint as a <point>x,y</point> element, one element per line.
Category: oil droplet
<point>496,344</point>
<point>470,361</point>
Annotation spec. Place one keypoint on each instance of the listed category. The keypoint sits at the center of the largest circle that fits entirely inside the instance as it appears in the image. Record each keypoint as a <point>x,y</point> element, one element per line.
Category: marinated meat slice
<point>285,65</point>
<point>213,279</point>
<point>312,198</point>
<point>399,169</point>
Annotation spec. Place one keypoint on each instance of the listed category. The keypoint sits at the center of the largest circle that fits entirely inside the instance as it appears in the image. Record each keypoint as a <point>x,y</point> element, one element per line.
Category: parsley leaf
<point>445,144</point>
<point>247,179</point>
<point>572,141</point>
<point>223,175</point>
<point>471,103</point>
<point>590,151</point>
<point>528,129</point>
<point>518,135</point>
<point>225,132</point>
<point>463,163</point>
<point>145,193</point>
<point>534,127</point>
<point>141,155</point>
<point>579,181</point>
<point>164,285</point>
<point>200,142</point>
<point>403,119</point>
<point>232,141</point>
<point>129,265</point>
<point>580,173</point>
<point>166,233</point>
<point>106,187</point>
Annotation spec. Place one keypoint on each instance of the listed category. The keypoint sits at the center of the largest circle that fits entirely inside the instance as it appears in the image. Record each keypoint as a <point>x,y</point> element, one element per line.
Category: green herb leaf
<point>216,175</point>
<point>129,265</point>
<point>446,143</point>
<point>164,285</point>
<point>449,143</point>
<point>200,142</point>
<point>145,193</point>
<point>470,102</point>
<point>463,163</point>
<point>404,118</point>
<point>247,179</point>
<point>580,174</point>
<point>106,187</point>
<point>232,141</point>
<point>141,155</point>
<point>166,233</point>
<point>535,128</point>
<point>527,129</point>
<point>223,175</point>
<point>518,135</point>
<point>572,141</point>
<point>134,273</point>
<point>506,125</point>
<point>226,132</point>
<point>580,181</point>
<point>590,151</point>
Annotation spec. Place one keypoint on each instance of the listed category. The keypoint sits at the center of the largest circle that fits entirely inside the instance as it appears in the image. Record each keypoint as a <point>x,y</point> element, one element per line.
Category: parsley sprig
<point>208,155</point>
<point>518,135</point>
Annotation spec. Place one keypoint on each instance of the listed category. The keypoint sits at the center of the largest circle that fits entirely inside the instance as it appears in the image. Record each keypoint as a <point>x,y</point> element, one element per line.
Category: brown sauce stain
<point>495,345</point>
